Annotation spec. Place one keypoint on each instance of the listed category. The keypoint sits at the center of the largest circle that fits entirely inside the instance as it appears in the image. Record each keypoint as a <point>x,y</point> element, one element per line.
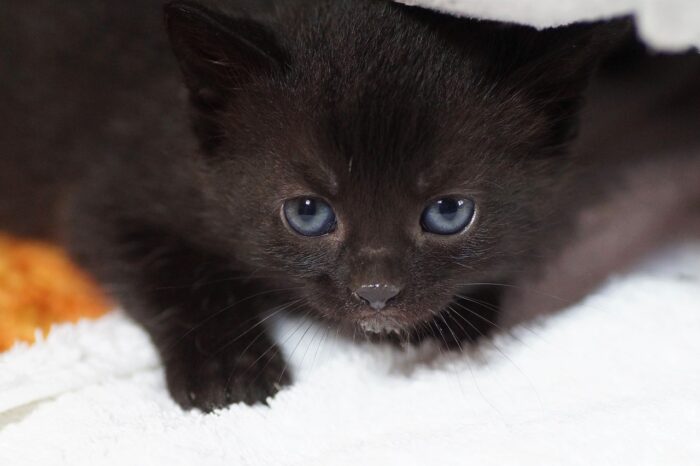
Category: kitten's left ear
<point>564,57</point>
<point>555,65</point>
<point>219,54</point>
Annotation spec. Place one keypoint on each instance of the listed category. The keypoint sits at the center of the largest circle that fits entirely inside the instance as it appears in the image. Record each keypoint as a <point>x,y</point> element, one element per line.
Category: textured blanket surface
<point>665,24</point>
<point>613,380</point>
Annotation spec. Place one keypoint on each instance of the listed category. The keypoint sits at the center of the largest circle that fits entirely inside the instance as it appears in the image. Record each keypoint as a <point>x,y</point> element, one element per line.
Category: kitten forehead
<point>315,174</point>
<point>325,177</point>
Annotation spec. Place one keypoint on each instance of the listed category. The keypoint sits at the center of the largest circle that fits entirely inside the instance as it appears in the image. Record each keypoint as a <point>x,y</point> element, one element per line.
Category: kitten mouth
<point>380,325</point>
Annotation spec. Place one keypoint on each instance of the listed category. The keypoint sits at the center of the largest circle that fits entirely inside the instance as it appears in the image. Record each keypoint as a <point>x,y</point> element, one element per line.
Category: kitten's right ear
<point>219,54</point>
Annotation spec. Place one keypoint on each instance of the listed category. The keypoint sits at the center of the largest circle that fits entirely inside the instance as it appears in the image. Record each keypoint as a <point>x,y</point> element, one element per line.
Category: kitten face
<point>378,195</point>
<point>373,128</point>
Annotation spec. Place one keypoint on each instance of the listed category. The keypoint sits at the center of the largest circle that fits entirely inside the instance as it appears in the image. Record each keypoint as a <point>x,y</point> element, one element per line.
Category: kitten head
<point>381,158</point>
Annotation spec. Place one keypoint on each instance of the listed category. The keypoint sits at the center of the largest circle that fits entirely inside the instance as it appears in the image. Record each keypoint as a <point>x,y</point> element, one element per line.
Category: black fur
<point>376,107</point>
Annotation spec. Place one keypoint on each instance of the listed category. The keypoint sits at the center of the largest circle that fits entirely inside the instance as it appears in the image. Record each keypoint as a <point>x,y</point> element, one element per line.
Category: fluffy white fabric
<point>665,24</point>
<point>614,380</point>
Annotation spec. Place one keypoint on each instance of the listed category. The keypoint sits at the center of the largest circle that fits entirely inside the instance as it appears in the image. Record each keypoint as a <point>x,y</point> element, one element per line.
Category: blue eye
<point>448,216</point>
<point>309,216</point>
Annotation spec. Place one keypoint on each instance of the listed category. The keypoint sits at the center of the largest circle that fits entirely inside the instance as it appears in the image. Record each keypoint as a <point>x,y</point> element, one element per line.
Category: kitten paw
<point>211,382</point>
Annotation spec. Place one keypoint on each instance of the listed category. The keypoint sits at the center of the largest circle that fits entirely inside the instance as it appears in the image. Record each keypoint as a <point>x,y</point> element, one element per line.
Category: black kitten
<point>372,165</point>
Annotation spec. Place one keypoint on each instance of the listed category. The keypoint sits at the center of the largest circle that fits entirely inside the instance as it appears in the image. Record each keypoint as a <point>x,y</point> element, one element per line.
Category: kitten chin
<point>380,325</point>
<point>380,167</point>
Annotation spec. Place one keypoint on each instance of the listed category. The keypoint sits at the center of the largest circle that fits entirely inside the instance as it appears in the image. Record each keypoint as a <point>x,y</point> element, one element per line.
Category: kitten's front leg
<point>212,337</point>
<point>210,365</point>
<point>207,326</point>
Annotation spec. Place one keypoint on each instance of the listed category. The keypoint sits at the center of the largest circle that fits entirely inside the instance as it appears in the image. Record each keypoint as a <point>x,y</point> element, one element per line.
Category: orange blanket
<point>39,286</point>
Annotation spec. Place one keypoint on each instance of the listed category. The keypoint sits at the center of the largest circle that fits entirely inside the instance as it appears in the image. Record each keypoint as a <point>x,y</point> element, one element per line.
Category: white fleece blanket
<point>614,380</point>
<point>665,24</point>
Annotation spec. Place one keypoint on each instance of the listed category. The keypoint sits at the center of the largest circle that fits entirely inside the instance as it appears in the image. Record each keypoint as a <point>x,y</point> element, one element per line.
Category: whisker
<point>261,322</point>
<point>522,288</point>
<point>287,338</point>
<point>473,376</point>
<point>313,338</point>
<point>226,308</point>
<point>318,348</point>
<point>233,278</point>
<point>273,347</point>
<point>454,336</point>
<point>498,327</point>
<point>481,302</point>
<point>303,335</point>
<point>493,343</point>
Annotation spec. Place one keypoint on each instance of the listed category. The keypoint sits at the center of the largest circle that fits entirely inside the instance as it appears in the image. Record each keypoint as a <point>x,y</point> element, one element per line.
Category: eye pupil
<point>307,208</point>
<point>449,207</point>
<point>448,216</point>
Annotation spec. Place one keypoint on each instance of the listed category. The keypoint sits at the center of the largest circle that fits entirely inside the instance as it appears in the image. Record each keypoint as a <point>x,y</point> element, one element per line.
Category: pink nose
<point>377,296</point>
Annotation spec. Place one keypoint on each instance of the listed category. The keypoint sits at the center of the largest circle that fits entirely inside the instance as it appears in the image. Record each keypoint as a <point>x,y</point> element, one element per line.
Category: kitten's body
<point>97,152</point>
<point>639,153</point>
